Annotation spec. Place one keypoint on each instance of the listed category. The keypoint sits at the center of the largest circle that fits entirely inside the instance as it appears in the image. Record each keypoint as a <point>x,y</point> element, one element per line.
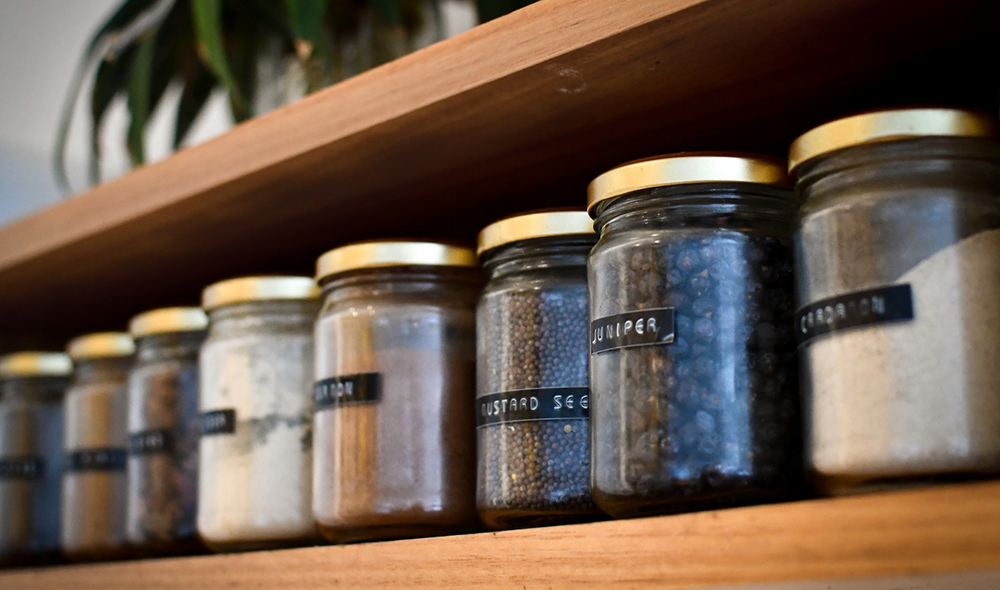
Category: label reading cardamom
<point>346,390</point>
<point>635,328</point>
<point>853,310</point>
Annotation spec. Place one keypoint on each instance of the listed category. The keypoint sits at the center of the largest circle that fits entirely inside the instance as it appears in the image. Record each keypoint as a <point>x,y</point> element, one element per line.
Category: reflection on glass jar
<point>898,260</point>
<point>395,380</point>
<point>32,385</point>
<point>693,384</point>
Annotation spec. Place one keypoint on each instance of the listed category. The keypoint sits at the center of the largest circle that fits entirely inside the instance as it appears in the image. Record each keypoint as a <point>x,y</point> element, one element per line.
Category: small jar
<point>95,440</point>
<point>395,382</point>
<point>532,393</point>
<point>255,453</point>
<point>32,385</point>
<point>692,371</point>
<point>898,262</point>
<point>163,431</point>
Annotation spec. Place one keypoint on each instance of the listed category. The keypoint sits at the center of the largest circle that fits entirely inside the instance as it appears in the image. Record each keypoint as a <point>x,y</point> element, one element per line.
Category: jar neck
<point>101,369</point>
<point>170,346</point>
<point>33,389</point>
<point>264,316</point>
<point>542,254</point>
<point>402,280</point>
<point>732,206</point>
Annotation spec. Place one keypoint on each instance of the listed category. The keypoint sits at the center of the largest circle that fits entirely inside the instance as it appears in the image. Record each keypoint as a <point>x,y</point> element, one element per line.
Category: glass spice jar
<point>255,453</point>
<point>32,385</point>
<point>532,392</point>
<point>395,382</point>
<point>898,265</point>
<point>95,440</point>
<point>692,375</point>
<point>161,515</point>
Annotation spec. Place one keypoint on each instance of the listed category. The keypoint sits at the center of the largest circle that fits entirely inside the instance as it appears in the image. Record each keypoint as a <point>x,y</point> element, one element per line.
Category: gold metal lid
<point>35,364</point>
<point>685,168</point>
<point>101,345</point>
<point>888,125</point>
<point>539,224</point>
<point>168,320</point>
<point>392,253</point>
<point>243,289</point>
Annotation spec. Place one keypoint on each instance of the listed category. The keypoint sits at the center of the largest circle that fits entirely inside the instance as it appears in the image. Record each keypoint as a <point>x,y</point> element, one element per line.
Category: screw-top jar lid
<point>168,320</point>
<point>888,125</point>
<point>35,364</point>
<point>538,224</point>
<point>392,253</point>
<point>685,168</point>
<point>101,345</point>
<point>244,289</point>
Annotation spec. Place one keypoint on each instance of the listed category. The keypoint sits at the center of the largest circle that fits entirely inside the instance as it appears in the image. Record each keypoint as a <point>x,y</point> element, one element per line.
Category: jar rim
<point>683,169</point>
<point>35,364</point>
<point>533,225</point>
<point>258,288</point>
<point>390,253</point>
<point>886,125</point>
<point>168,320</point>
<point>101,345</point>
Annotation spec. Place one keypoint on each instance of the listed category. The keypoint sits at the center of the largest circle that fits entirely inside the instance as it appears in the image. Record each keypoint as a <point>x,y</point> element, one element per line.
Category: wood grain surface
<point>516,114</point>
<point>913,535</point>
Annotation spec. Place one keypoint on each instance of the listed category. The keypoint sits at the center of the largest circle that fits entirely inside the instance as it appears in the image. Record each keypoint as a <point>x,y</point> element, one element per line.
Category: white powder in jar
<point>920,397</point>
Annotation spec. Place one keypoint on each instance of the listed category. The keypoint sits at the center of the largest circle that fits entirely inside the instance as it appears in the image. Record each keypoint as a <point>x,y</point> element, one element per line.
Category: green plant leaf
<point>139,98</point>
<point>193,99</point>
<point>306,18</point>
<point>126,13</point>
<point>389,11</point>
<point>208,27</point>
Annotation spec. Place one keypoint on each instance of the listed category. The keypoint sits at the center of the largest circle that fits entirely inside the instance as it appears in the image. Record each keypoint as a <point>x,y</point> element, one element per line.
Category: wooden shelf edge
<point>951,529</point>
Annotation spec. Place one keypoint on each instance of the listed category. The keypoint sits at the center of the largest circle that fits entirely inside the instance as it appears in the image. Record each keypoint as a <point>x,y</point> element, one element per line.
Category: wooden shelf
<point>516,114</point>
<point>930,538</point>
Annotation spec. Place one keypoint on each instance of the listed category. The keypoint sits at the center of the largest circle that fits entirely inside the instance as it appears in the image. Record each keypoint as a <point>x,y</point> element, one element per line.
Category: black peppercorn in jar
<point>32,385</point>
<point>692,375</point>
<point>96,441</point>
<point>395,382</point>
<point>532,396</point>
<point>898,260</point>
<point>161,515</point>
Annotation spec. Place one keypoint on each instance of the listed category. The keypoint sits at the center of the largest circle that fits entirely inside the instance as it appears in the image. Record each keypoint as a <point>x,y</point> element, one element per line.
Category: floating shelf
<point>515,114</point>
<point>931,538</point>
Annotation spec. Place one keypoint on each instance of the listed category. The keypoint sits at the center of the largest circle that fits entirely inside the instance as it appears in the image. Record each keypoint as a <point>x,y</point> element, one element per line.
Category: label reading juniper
<point>529,405</point>
<point>217,422</point>
<point>634,328</point>
<point>854,310</point>
<point>21,468</point>
<point>151,442</point>
<point>107,459</point>
<point>346,390</point>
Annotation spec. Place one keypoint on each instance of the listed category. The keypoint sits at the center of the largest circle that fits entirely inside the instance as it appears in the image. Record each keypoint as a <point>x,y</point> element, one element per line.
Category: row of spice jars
<point>655,368</point>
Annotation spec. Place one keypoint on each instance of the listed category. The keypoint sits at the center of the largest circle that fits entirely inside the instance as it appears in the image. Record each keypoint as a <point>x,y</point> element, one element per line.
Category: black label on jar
<point>109,459</point>
<point>529,405</point>
<point>21,468</point>
<point>151,442</point>
<point>346,390</point>
<point>634,328</point>
<point>853,310</point>
<point>217,422</point>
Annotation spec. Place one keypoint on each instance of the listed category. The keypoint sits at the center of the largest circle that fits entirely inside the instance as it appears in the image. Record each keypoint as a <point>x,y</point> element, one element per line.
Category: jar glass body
<point>394,434</point>
<point>533,458</point>
<point>161,515</point>
<point>710,416</point>
<point>255,452</point>
<point>95,440</point>
<point>894,397</point>
<point>31,455</point>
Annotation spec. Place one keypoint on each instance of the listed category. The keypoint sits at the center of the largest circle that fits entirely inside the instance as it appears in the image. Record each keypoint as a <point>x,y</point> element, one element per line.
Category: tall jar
<point>255,453</point>
<point>898,250</point>
<point>694,401</point>
<point>532,392</point>
<point>95,440</point>
<point>395,382</point>
<point>161,515</point>
<point>32,385</point>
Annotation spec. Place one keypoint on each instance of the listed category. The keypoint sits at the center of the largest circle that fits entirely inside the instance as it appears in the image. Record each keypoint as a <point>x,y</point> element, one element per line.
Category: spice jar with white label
<point>694,400</point>
<point>532,394</point>
<point>32,385</point>
<point>95,440</point>
<point>395,381</point>
<point>163,431</point>
<point>898,271</point>
<point>255,452</point>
